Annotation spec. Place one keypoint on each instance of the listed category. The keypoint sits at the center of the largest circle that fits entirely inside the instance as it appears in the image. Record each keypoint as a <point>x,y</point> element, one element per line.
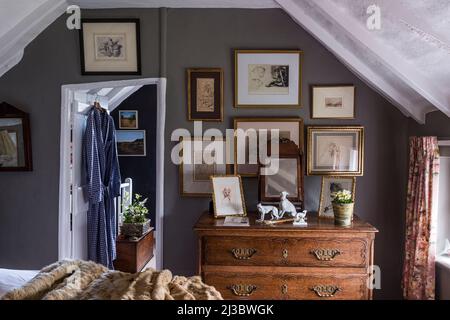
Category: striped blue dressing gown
<point>103,180</point>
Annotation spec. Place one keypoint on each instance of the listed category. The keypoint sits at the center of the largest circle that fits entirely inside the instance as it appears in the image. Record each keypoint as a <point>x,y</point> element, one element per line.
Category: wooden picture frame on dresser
<point>318,262</point>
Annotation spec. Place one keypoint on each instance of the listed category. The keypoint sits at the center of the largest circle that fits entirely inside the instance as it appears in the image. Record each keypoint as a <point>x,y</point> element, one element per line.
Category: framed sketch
<point>110,46</point>
<point>289,129</point>
<point>330,185</point>
<point>195,173</point>
<point>205,94</point>
<point>131,143</point>
<point>336,151</point>
<point>333,102</point>
<point>15,139</point>
<point>268,78</point>
<point>228,197</point>
<point>128,119</point>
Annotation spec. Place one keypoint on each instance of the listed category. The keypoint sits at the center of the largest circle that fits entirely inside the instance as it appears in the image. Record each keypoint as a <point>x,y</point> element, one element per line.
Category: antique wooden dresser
<point>320,261</point>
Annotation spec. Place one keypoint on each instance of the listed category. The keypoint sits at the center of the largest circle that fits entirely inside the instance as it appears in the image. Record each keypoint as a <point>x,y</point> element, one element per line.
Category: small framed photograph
<point>268,78</point>
<point>110,46</point>
<point>195,173</point>
<point>330,185</point>
<point>131,143</point>
<point>228,197</point>
<point>15,139</point>
<point>336,151</point>
<point>205,94</point>
<point>128,119</point>
<point>333,102</point>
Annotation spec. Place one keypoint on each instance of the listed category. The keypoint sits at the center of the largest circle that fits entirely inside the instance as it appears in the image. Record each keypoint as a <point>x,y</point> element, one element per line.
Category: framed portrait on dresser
<point>228,196</point>
<point>331,184</point>
<point>268,78</point>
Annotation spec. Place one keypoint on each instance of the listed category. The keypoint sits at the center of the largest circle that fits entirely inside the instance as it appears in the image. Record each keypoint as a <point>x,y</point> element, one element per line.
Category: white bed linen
<point>11,279</point>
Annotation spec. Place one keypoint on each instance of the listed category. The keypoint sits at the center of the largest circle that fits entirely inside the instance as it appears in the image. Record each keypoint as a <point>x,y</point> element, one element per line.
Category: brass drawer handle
<point>324,291</point>
<point>284,289</point>
<point>242,290</point>
<point>326,254</point>
<point>243,253</point>
<point>285,253</point>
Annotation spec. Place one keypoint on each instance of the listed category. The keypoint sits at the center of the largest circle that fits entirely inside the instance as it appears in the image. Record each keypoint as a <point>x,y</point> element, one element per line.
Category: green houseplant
<point>135,221</point>
<point>343,206</point>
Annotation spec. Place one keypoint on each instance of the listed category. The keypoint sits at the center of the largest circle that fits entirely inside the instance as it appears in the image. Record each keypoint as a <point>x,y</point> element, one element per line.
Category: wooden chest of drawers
<point>320,261</point>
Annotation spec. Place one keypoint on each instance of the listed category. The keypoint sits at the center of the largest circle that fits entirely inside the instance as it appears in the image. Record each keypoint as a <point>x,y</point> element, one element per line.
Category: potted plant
<point>135,221</point>
<point>343,205</point>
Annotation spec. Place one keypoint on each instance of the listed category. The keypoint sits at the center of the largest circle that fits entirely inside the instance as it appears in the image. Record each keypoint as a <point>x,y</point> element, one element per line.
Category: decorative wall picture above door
<point>336,150</point>
<point>333,102</point>
<point>131,143</point>
<point>268,78</point>
<point>15,139</point>
<point>289,129</point>
<point>195,172</point>
<point>128,119</point>
<point>331,185</point>
<point>205,94</point>
<point>110,46</point>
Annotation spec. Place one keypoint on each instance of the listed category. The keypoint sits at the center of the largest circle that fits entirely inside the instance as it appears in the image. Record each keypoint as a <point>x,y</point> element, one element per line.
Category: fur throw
<point>86,280</point>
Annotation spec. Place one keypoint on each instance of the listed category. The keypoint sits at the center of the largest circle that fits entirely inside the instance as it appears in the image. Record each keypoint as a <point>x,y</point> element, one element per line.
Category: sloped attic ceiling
<point>407,60</point>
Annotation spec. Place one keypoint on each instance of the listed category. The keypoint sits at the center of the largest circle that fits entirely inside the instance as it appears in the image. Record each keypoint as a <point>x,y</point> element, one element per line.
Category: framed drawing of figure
<point>331,184</point>
<point>228,197</point>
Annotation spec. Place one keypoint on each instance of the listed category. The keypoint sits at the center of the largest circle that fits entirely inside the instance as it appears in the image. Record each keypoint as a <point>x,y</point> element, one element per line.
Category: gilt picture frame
<point>268,78</point>
<point>333,101</point>
<point>335,150</point>
<point>228,196</point>
<point>332,184</point>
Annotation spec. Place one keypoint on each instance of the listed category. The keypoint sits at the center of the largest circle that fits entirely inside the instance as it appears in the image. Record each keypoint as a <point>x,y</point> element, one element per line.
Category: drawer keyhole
<point>285,253</point>
<point>284,289</point>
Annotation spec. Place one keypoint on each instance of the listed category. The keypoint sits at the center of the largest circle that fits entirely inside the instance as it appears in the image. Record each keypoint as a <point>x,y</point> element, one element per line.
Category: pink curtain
<point>418,269</point>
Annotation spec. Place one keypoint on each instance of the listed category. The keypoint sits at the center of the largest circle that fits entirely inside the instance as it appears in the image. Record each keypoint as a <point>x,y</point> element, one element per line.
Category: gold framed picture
<point>333,102</point>
<point>331,184</point>
<point>268,78</point>
<point>228,196</point>
<point>337,151</point>
<point>205,94</point>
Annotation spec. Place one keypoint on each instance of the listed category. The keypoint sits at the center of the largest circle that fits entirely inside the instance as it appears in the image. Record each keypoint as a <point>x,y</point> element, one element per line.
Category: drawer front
<point>259,286</point>
<point>309,252</point>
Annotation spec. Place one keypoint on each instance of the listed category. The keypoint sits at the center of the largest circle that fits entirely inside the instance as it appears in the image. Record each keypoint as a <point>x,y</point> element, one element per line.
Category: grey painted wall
<point>195,38</point>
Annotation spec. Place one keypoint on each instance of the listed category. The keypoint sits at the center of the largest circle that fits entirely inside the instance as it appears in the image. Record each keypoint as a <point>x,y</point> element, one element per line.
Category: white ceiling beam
<point>115,101</point>
<point>250,4</point>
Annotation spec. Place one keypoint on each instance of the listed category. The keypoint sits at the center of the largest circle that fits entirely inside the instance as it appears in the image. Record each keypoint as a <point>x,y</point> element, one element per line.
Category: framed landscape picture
<point>128,119</point>
<point>195,174</point>
<point>131,143</point>
<point>205,94</point>
<point>268,78</point>
<point>330,185</point>
<point>110,46</point>
<point>228,197</point>
<point>333,102</point>
<point>336,150</point>
<point>289,129</point>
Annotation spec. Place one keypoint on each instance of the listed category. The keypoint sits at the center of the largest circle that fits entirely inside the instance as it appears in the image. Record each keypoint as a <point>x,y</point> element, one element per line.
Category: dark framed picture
<point>333,102</point>
<point>15,139</point>
<point>128,119</point>
<point>268,78</point>
<point>110,46</point>
<point>205,94</point>
<point>131,143</point>
<point>336,151</point>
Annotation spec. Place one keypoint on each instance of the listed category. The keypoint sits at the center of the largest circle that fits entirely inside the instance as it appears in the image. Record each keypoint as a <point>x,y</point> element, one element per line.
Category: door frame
<point>67,97</point>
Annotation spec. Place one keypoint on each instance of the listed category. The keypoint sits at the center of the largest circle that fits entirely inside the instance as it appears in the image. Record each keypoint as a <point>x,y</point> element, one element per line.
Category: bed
<point>12,279</point>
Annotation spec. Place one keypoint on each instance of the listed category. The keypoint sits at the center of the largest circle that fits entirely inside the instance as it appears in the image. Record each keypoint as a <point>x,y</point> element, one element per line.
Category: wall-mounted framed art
<point>15,139</point>
<point>228,196</point>
<point>333,102</point>
<point>110,47</point>
<point>268,78</point>
<point>194,174</point>
<point>337,150</point>
<point>289,129</point>
<point>131,143</point>
<point>128,119</point>
<point>205,94</point>
<point>331,184</point>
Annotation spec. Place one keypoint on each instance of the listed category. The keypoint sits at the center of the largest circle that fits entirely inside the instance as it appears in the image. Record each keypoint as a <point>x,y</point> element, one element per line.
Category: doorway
<point>75,99</point>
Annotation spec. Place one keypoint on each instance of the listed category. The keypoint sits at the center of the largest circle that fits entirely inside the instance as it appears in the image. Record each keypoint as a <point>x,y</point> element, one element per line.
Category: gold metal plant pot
<point>343,214</point>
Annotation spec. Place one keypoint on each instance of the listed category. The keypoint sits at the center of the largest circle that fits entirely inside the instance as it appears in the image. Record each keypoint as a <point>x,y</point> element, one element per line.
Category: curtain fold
<point>418,281</point>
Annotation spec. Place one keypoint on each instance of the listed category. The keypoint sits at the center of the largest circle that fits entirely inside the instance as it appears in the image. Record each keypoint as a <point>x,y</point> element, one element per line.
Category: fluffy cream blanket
<point>85,280</point>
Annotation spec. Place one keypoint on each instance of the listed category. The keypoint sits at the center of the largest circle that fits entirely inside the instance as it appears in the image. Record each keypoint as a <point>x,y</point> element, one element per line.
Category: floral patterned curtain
<point>418,269</point>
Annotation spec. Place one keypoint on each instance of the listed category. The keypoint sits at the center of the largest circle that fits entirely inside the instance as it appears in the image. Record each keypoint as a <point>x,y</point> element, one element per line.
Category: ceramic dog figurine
<point>286,206</point>
<point>263,210</point>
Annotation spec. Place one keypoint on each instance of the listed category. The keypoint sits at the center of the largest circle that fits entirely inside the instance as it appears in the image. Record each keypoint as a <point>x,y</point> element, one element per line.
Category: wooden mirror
<point>15,141</point>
